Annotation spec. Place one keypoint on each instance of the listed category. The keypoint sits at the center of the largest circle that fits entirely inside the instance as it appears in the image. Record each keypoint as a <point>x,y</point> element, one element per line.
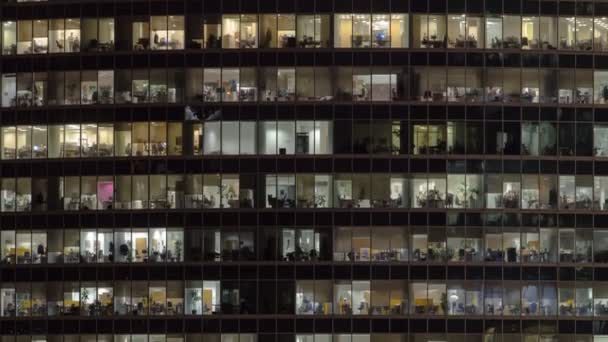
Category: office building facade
<point>304,170</point>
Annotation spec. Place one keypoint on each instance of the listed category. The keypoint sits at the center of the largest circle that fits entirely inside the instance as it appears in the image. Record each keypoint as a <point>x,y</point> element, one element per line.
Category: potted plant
<point>111,252</point>
<point>461,195</point>
<point>124,251</point>
<point>71,88</point>
<point>229,194</point>
<point>178,250</point>
<point>444,303</point>
<point>320,201</point>
<point>511,199</point>
<point>396,139</point>
<point>195,298</point>
<point>84,298</point>
<point>105,95</point>
<point>473,194</point>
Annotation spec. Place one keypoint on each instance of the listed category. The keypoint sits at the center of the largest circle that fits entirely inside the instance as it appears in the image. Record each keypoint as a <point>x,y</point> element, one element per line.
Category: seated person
<point>9,310</point>
<point>306,306</point>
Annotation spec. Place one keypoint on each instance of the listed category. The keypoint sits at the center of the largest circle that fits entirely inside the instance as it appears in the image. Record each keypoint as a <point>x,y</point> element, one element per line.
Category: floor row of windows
<point>304,297</point>
<point>94,140</point>
<point>303,137</point>
<point>452,337</point>
<point>305,244</point>
<point>306,84</point>
<point>173,338</point>
<point>344,30</point>
<point>278,191</point>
